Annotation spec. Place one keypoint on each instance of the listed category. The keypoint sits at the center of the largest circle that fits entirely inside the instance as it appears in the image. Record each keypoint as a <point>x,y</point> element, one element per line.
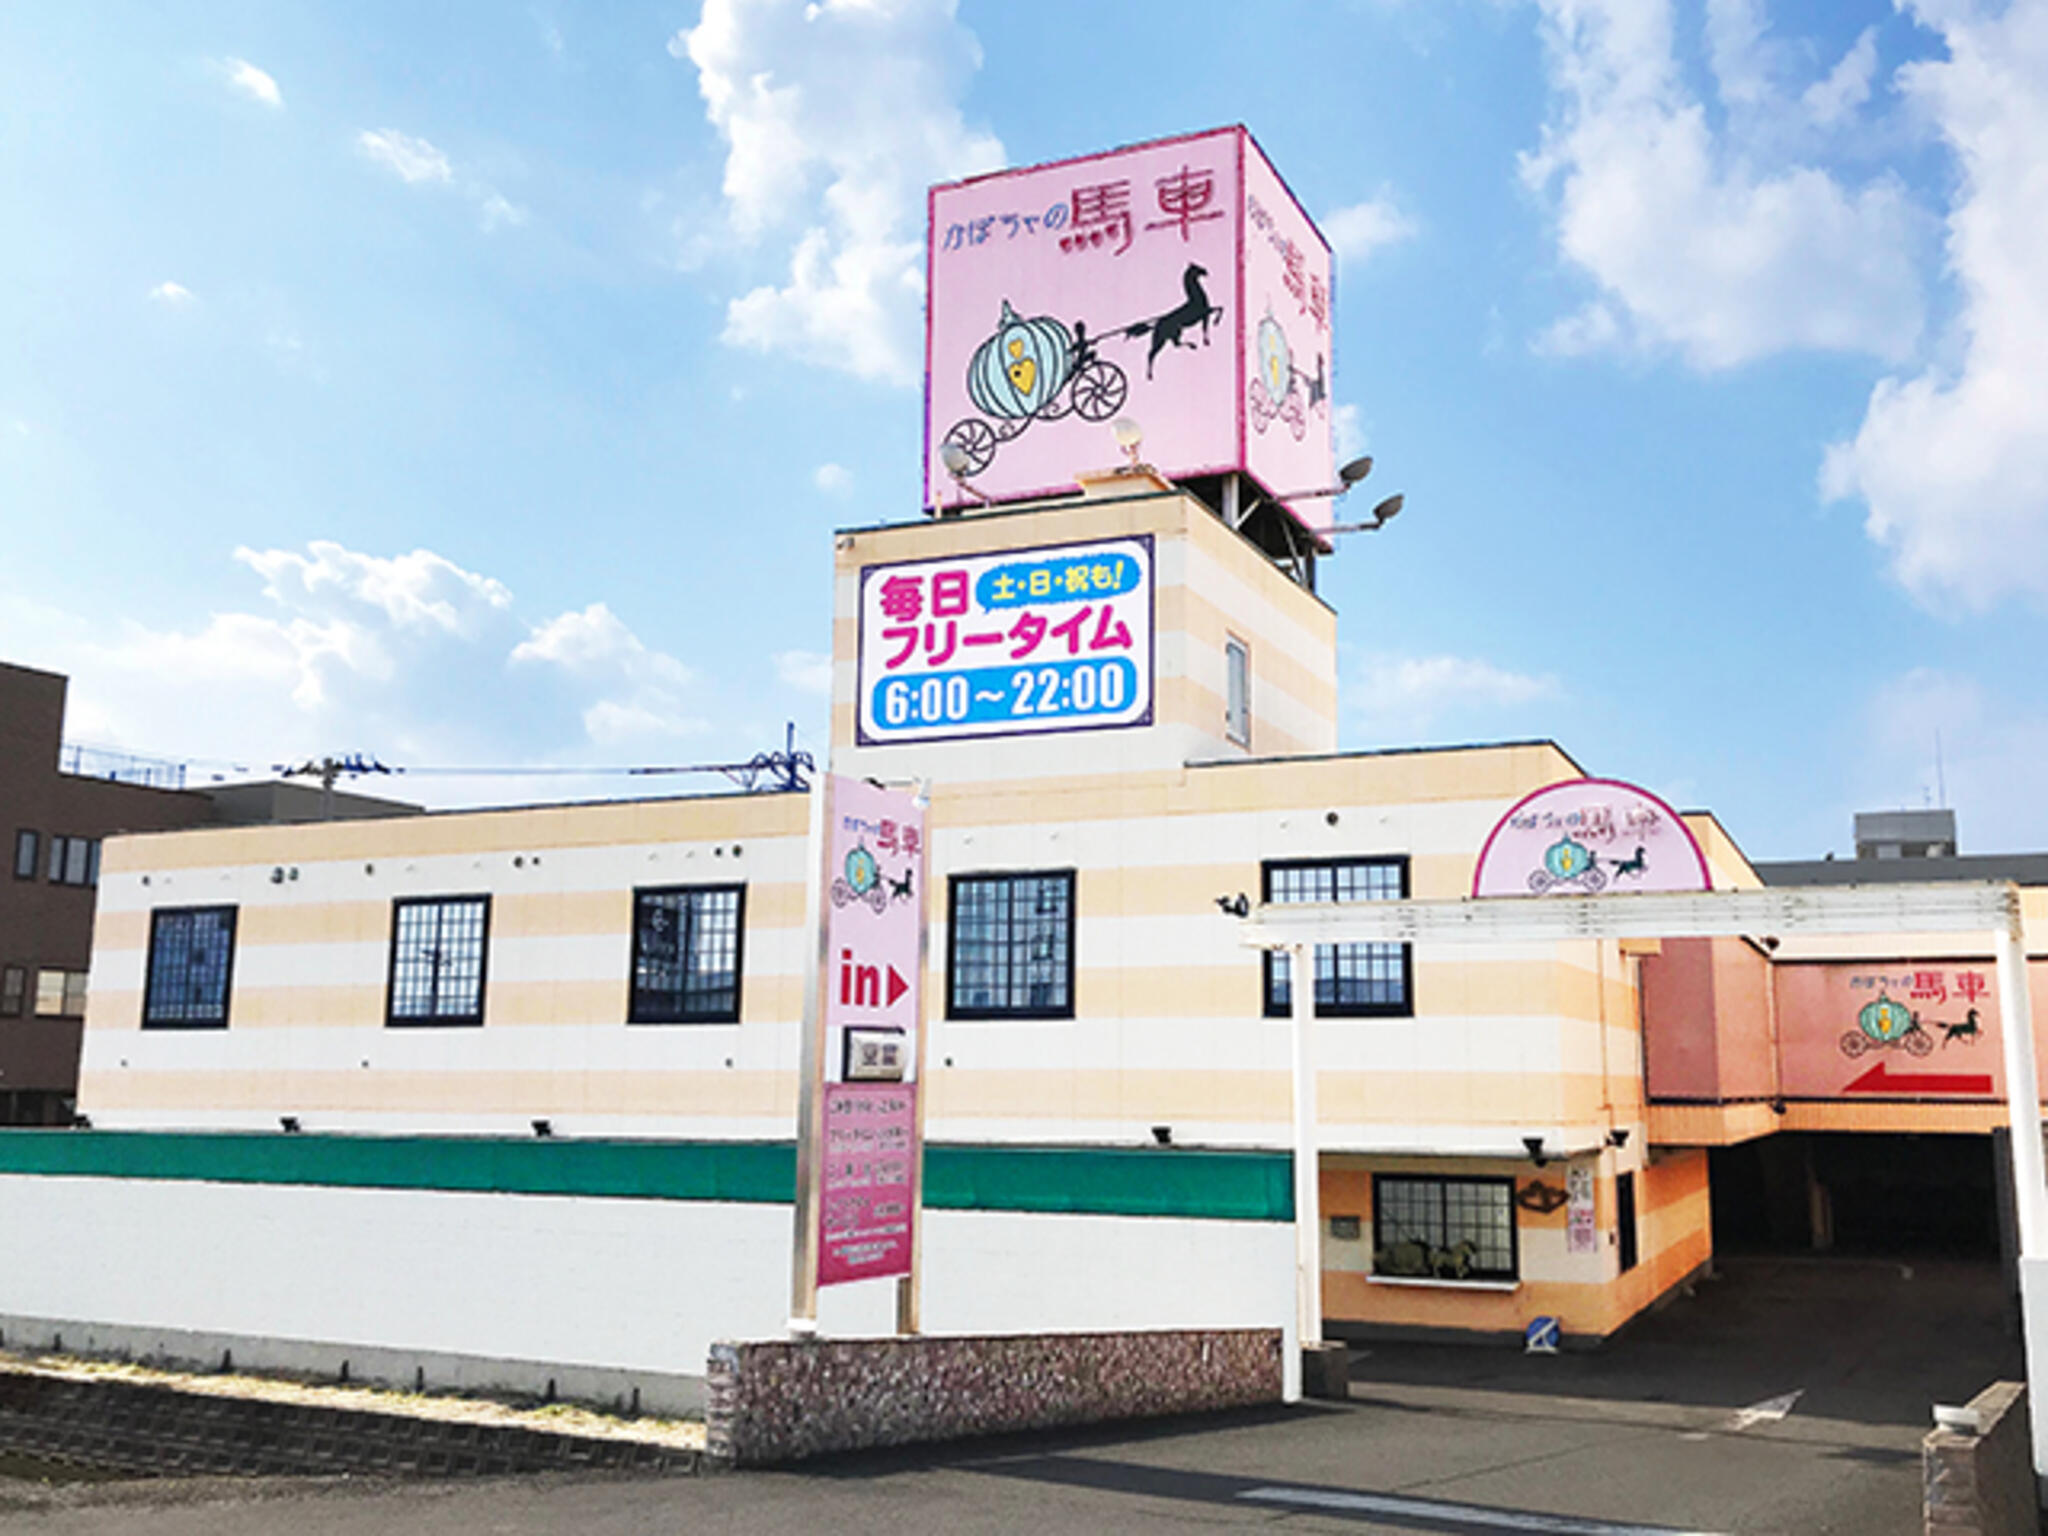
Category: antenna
<point>1940,785</point>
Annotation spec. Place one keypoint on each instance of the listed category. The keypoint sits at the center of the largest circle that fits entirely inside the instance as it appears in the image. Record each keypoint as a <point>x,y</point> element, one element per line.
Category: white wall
<point>628,1285</point>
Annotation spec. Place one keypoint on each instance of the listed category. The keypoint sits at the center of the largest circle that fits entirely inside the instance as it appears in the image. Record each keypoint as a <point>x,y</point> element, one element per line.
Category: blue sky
<point>479,384</point>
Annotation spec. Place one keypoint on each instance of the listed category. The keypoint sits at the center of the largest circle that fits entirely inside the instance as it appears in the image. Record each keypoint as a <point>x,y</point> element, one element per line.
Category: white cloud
<point>409,657</point>
<point>833,479</point>
<point>173,295</point>
<point>1363,228</point>
<point>1400,695</point>
<point>412,160</point>
<point>836,115</point>
<point>416,163</point>
<point>421,590</point>
<point>1952,461</point>
<point>252,82</point>
<point>806,671</point>
<point>644,689</point>
<point>1717,246</point>
<point>1846,87</point>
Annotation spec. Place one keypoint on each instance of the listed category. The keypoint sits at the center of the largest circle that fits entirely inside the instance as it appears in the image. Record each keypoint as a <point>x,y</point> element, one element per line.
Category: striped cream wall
<point>1588,1293</point>
<point>1539,1040</point>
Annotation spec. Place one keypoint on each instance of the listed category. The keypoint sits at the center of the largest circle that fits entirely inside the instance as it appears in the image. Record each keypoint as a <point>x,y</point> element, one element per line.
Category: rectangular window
<point>437,960</point>
<point>1010,946</point>
<point>73,860</point>
<point>1237,703</point>
<point>1443,1229</point>
<point>1625,1219</point>
<point>13,991</point>
<point>60,994</point>
<point>1352,980</point>
<point>25,851</point>
<point>191,963</point>
<point>686,954</point>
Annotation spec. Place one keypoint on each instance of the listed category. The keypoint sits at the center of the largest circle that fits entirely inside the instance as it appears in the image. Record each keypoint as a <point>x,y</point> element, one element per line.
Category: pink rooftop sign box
<point>1177,283</point>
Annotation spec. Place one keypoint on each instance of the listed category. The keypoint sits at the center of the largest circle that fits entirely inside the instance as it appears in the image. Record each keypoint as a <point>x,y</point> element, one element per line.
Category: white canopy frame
<point>1986,908</point>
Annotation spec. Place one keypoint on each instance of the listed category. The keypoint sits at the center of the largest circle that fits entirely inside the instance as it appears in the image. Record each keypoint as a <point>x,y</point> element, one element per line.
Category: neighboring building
<point>54,822</point>
<point>1907,845</point>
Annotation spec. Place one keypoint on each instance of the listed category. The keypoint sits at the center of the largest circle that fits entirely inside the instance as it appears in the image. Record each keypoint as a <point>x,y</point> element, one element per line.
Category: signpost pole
<point>910,1288</point>
<point>1308,1221</point>
<point>810,1108</point>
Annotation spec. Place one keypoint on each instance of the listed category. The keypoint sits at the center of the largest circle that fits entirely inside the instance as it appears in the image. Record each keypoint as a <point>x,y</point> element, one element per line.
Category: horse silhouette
<point>1969,1029</point>
<point>1168,329</point>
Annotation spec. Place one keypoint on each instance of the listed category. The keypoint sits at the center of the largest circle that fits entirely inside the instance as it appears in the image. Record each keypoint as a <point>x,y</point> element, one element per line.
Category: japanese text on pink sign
<point>874,924</point>
<point>1586,836</point>
<point>1177,282</point>
<point>1036,640</point>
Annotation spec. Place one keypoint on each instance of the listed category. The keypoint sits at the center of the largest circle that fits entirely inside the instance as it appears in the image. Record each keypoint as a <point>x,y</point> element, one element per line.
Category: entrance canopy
<point>1989,907</point>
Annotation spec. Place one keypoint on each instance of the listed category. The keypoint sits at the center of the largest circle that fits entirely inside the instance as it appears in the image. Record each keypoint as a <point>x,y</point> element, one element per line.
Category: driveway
<point>1689,1422</point>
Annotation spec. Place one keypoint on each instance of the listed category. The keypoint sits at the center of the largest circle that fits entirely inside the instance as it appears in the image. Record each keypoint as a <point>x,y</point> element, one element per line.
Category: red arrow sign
<point>1880,1080</point>
<point>897,987</point>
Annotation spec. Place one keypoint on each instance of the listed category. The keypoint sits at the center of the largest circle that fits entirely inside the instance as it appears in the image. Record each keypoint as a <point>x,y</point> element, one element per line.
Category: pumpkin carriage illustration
<point>1281,391</point>
<point>861,882</point>
<point>1035,369</point>
<point>1886,1025</point>
<point>1568,862</point>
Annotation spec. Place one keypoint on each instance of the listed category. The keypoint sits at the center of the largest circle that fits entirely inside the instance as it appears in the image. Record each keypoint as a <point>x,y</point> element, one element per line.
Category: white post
<point>2030,1180</point>
<point>810,1094</point>
<point>2022,1091</point>
<point>1308,1202</point>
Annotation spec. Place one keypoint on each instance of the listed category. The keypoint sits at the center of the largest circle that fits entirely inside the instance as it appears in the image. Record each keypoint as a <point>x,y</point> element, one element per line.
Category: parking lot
<point>1786,1396</point>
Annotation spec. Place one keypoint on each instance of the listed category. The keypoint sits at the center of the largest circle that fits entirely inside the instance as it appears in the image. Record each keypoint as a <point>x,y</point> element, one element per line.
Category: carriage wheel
<point>1594,879</point>
<point>842,893</point>
<point>1540,881</point>
<point>1099,391</point>
<point>878,899</point>
<point>977,439</point>
<point>1260,404</point>
<point>1855,1043</point>
<point>1917,1041</point>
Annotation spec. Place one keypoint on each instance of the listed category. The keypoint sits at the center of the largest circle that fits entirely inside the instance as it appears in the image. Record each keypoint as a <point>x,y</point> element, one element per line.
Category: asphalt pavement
<point>1786,1397</point>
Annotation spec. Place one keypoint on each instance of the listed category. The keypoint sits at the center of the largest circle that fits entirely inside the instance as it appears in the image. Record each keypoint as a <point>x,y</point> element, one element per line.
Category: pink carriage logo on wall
<point>1177,282</point>
<point>1588,836</point>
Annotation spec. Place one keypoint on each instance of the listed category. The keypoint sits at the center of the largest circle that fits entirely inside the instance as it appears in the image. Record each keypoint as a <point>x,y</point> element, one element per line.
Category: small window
<point>1352,980</point>
<point>25,850</point>
<point>1237,705</point>
<point>13,990</point>
<point>60,994</point>
<point>1010,946</point>
<point>437,960</point>
<point>1625,1219</point>
<point>73,860</point>
<point>1443,1229</point>
<point>78,861</point>
<point>686,955</point>
<point>57,859</point>
<point>191,960</point>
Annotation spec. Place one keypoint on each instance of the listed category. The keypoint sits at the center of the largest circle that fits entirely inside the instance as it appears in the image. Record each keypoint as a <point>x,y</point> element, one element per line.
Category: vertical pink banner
<point>870,1181</point>
<point>874,933</point>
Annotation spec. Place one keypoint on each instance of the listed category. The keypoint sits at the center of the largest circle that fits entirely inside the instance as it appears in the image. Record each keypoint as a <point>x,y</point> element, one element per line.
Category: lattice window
<point>1010,945</point>
<point>686,954</point>
<point>1443,1229</point>
<point>191,960</point>
<point>1352,980</point>
<point>437,960</point>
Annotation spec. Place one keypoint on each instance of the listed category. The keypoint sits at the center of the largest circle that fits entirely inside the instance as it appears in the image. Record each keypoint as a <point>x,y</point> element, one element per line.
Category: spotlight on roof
<point>1388,510</point>
<point>1129,435</point>
<point>1355,471</point>
<point>1534,1144</point>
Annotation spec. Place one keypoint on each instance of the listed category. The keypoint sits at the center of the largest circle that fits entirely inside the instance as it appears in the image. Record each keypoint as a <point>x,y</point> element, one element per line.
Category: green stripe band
<point>1097,1181</point>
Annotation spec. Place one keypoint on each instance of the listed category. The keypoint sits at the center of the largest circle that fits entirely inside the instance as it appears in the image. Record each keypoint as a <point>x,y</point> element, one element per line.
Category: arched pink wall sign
<point>1588,837</point>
